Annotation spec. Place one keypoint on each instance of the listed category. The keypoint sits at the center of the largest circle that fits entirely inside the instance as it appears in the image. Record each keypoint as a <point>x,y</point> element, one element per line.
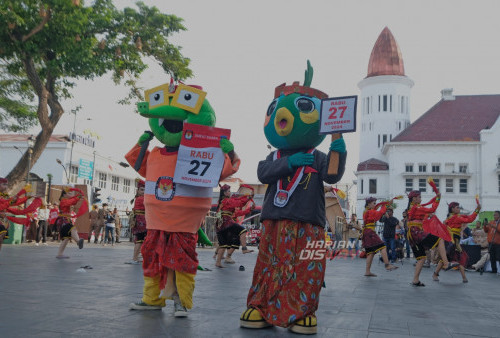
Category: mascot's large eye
<point>272,107</point>
<point>156,98</point>
<point>304,105</point>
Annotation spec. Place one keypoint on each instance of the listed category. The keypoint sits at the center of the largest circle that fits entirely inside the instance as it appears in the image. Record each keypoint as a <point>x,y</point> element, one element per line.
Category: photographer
<point>110,228</point>
<point>390,223</point>
<point>353,232</point>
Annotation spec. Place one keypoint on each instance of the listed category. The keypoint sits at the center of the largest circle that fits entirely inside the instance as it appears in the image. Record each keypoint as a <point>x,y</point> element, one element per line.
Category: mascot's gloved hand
<point>338,145</point>
<point>300,159</point>
<point>147,136</point>
<point>226,145</point>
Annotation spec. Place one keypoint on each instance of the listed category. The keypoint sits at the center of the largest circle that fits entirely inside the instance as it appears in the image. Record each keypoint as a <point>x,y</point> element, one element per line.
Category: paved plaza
<point>45,297</point>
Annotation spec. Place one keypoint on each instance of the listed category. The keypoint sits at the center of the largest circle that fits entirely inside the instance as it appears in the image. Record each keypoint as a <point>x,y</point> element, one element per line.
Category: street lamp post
<point>31,143</point>
<point>73,111</point>
<point>62,165</point>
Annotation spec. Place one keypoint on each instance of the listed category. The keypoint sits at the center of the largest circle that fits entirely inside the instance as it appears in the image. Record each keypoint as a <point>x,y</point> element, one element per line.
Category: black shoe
<point>80,243</point>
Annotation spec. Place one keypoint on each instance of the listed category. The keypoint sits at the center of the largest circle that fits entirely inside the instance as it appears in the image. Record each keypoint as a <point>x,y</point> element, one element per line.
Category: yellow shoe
<point>306,325</point>
<point>251,319</point>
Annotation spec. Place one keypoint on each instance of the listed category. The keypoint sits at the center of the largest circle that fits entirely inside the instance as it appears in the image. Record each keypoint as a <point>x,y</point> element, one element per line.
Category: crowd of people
<point>429,249</point>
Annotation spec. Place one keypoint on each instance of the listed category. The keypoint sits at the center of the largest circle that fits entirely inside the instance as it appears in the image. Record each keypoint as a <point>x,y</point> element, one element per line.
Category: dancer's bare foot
<point>245,250</point>
<point>390,267</point>
<point>370,274</point>
<point>219,265</point>
<point>62,257</point>
<point>435,277</point>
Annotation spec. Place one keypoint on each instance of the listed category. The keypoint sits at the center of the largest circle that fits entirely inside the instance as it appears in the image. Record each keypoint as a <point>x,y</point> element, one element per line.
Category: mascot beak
<point>283,121</point>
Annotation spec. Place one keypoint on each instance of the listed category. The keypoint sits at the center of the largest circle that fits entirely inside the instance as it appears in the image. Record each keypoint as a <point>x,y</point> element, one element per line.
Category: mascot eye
<point>187,98</point>
<point>304,105</point>
<point>272,107</point>
<point>156,98</point>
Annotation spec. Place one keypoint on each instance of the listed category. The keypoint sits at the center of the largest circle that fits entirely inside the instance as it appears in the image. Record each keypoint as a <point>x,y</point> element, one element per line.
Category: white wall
<point>375,122</point>
<point>489,175</point>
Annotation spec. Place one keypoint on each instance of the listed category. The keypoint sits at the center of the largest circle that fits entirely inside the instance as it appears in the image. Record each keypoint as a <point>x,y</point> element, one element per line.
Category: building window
<point>362,187</point>
<point>379,140</point>
<point>126,185</point>
<point>115,181</point>
<point>102,180</point>
<point>402,104</point>
<point>409,168</point>
<point>463,185</point>
<point>399,125</point>
<point>422,185</point>
<point>449,185</point>
<point>384,139</point>
<point>379,103</point>
<point>435,168</point>
<point>422,168</point>
<point>73,174</point>
<point>372,189</point>
<point>498,183</point>
<point>390,103</point>
<point>409,184</point>
<point>449,168</point>
<point>462,168</point>
<point>436,181</point>
<point>385,102</point>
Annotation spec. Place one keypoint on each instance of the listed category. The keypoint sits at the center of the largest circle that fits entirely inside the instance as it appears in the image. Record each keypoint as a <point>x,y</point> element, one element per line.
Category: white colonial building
<point>456,141</point>
<point>77,166</point>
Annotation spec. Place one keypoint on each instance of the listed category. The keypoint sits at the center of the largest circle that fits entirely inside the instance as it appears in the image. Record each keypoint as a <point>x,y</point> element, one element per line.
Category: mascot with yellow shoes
<point>174,211</point>
<point>285,288</point>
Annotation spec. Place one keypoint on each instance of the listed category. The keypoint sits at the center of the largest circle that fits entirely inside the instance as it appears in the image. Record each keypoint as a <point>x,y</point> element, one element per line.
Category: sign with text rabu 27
<point>200,159</point>
<point>338,115</point>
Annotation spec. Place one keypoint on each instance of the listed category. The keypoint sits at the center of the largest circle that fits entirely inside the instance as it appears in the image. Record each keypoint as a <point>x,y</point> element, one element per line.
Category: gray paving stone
<point>45,297</point>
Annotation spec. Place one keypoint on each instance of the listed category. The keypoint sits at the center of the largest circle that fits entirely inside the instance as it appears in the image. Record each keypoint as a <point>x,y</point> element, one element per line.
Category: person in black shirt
<point>389,234</point>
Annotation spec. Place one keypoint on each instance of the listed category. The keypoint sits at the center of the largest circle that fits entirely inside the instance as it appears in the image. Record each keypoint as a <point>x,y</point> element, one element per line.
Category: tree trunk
<point>46,99</point>
<point>18,174</point>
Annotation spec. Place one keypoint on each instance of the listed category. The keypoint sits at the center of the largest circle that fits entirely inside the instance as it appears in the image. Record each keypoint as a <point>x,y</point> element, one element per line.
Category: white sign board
<point>200,159</point>
<point>338,115</point>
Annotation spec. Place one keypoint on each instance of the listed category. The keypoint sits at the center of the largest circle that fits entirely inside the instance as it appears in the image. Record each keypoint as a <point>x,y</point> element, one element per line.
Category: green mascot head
<point>292,119</point>
<point>167,107</point>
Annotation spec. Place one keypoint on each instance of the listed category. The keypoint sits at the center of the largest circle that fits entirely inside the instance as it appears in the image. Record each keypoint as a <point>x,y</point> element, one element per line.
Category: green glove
<point>147,136</point>
<point>226,145</point>
<point>300,159</point>
<point>338,145</point>
<point>202,238</point>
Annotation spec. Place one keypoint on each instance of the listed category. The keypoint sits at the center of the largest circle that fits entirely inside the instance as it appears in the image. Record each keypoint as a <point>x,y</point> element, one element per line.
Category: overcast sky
<point>240,51</point>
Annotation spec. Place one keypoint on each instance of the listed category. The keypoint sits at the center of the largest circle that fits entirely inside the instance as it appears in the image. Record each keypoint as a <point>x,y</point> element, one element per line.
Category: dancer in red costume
<point>139,230</point>
<point>69,197</point>
<point>231,234</point>
<point>421,240</point>
<point>372,243</point>
<point>456,223</point>
<point>10,207</point>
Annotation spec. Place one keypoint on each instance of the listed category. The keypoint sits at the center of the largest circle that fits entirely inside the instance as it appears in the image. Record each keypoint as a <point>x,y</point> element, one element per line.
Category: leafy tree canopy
<point>46,45</point>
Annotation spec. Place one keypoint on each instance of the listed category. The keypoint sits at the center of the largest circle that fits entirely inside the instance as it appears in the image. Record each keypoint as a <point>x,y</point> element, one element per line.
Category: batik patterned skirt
<point>372,242</point>
<point>163,251</point>
<point>455,253</point>
<point>289,272</point>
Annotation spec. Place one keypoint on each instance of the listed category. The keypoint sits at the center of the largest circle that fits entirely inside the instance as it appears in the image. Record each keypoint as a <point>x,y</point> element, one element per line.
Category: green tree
<point>46,45</point>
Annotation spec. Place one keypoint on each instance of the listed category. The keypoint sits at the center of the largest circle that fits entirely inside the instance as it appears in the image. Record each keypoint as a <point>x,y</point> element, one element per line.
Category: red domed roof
<point>386,58</point>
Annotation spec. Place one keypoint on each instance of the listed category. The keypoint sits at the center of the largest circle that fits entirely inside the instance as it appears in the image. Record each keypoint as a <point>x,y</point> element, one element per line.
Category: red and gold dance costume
<point>372,243</point>
<point>454,223</point>
<point>64,222</point>
<point>140,230</point>
<point>12,206</point>
<point>232,210</point>
<point>420,240</point>
<point>174,213</point>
